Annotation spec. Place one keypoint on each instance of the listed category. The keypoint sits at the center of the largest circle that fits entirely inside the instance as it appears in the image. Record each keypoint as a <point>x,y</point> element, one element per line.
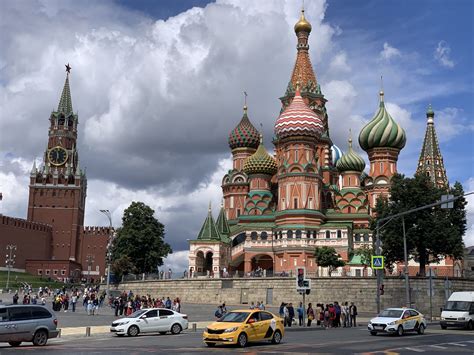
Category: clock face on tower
<point>57,156</point>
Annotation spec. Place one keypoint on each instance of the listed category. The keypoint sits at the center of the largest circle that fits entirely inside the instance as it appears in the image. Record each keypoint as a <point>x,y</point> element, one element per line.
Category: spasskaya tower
<point>58,187</point>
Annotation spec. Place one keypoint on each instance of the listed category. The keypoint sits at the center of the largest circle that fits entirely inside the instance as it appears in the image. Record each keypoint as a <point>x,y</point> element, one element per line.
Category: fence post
<point>194,327</point>
<point>88,331</point>
<point>59,333</point>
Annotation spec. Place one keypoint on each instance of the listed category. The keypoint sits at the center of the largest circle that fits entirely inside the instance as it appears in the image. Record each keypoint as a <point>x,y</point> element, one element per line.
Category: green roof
<point>209,230</point>
<point>65,103</point>
<point>223,226</point>
<point>355,260</point>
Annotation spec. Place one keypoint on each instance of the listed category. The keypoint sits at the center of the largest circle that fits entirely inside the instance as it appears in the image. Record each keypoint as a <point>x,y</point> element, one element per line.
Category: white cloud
<point>442,54</point>
<point>177,262</point>
<point>339,63</point>
<point>388,52</point>
<point>469,237</point>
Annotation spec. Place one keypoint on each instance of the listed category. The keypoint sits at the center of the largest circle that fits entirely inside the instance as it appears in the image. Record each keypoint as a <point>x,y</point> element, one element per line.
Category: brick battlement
<point>95,230</point>
<point>23,223</point>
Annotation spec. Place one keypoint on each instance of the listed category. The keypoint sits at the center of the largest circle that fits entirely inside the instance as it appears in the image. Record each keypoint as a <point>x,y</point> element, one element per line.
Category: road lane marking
<point>416,350</point>
<point>457,344</point>
<point>438,347</point>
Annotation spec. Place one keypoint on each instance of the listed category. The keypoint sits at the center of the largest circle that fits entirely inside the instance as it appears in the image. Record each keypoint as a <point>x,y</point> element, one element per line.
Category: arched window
<point>289,234</point>
<point>328,234</point>
<point>281,235</point>
<point>339,234</point>
<point>366,237</point>
<point>239,239</point>
<point>263,236</point>
<point>298,234</point>
<point>357,237</point>
<point>253,235</point>
<point>314,234</point>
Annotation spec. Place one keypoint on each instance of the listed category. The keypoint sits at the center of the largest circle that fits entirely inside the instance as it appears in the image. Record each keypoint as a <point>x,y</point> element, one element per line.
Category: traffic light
<point>308,291</point>
<point>381,289</point>
<point>300,276</point>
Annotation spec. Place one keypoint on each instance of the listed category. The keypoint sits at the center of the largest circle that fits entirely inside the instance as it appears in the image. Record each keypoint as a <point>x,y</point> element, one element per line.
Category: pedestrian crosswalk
<point>459,346</point>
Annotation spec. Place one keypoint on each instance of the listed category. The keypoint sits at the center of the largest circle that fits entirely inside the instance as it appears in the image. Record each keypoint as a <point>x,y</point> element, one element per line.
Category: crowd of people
<point>331,315</point>
<point>127,303</point>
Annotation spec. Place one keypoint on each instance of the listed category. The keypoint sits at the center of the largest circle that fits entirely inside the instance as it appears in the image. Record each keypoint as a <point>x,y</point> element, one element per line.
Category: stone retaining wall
<point>273,291</point>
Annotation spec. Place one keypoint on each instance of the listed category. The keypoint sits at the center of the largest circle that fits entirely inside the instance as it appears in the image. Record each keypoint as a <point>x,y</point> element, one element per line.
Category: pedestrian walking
<point>291,314</point>
<point>310,314</point>
<point>337,308</point>
<point>300,311</point>
<point>345,315</point>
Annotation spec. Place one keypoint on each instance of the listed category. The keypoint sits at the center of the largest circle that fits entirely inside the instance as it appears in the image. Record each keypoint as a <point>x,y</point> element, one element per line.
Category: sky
<point>158,86</point>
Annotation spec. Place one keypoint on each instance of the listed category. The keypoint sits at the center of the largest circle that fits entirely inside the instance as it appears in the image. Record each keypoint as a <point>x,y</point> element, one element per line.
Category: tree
<point>122,266</point>
<point>141,239</point>
<point>432,234</point>
<point>365,252</point>
<point>328,257</point>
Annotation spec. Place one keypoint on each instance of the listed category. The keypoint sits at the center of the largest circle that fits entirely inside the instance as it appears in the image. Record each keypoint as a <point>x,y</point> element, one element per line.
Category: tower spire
<point>65,103</point>
<point>431,160</point>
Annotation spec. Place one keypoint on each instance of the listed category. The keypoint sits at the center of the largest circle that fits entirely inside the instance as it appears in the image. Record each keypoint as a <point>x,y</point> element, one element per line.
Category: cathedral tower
<point>382,138</point>
<point>431,160</point>
<point>58,188</point>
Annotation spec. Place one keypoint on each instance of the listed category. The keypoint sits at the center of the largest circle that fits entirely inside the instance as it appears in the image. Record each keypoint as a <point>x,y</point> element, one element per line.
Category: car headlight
<point>462,318</point>
<point>123,323</point>
<point>442,318</point>
<point>230,330</point>
<point>392,323</point>
<point>370,322</point>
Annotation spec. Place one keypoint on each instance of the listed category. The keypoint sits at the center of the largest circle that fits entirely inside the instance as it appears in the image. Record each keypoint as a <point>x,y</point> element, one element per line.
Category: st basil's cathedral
<point>277,209</point>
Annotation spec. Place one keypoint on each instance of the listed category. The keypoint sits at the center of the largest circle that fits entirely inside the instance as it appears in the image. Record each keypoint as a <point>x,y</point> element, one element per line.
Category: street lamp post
<point>109,246</point>
<point>10,260</point>
<point>90,260</point>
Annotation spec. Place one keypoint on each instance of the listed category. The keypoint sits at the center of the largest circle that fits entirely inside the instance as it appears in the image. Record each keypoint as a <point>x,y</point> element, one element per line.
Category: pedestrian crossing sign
<point>377,262</point>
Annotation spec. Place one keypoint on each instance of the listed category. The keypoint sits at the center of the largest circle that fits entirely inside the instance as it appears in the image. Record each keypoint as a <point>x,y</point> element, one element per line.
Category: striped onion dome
<point>298,120</point>
<point>245,135</point>
<point>350,161</point>
<point>382,131</point>
<point>260,162</point>
<point>336,154</point>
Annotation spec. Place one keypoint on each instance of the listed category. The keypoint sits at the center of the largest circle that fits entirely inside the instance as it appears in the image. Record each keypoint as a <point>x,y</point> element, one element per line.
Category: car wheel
<point>211,345</point>
<point>162,333</point>
<point>242,340</point>
<point>469,325</point>
<point>421,329</point>
<point>444,327</point>
<point>176,329</point>
<point>14,343</point>
<point>400,331</point>
<point>373,333</point>
<point>133,331</point>
<point>276,339</point>
<point>40,338</point>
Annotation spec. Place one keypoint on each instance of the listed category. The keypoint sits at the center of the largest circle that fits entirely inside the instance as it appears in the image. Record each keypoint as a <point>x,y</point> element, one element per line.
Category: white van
<point>459,311</point>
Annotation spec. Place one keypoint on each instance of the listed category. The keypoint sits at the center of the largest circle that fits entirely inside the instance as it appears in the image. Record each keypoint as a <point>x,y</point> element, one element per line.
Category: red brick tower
<point>58,189</point>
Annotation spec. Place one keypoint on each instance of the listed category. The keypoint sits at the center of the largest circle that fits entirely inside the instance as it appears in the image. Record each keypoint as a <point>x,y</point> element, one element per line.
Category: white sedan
<point>150,320</point>
<point>397,321</point>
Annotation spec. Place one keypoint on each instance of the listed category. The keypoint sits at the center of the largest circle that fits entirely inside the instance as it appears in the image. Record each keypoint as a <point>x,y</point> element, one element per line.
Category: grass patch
<point>18,278</point>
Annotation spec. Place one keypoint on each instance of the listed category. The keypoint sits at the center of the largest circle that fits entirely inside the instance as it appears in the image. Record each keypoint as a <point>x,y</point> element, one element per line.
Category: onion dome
<point>298,120</point>
<point>245,135</point>
<point>382,131</point>
<point>336,153</point>
<point>260,162</point>
<point>302,24</point>
<point>350,161</point>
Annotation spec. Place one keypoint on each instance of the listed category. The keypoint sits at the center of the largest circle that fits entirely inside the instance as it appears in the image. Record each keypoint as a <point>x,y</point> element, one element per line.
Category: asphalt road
<point>333,341</point>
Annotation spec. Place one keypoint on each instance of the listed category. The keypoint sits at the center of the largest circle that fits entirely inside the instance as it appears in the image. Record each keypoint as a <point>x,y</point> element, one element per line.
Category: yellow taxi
<point>243,326</point>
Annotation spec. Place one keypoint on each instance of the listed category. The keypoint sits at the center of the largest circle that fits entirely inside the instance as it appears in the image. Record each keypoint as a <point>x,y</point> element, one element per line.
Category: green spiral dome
<point>382,131</point>
<point>260,162</point>
<point>350,161</point>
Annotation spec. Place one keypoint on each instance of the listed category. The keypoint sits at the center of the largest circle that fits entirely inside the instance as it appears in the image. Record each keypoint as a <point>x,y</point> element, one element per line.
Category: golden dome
<point>302,24</point>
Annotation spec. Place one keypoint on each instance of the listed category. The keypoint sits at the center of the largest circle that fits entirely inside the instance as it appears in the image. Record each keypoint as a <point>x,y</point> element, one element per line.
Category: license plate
<point>378,327</point>
<point>212,337</point>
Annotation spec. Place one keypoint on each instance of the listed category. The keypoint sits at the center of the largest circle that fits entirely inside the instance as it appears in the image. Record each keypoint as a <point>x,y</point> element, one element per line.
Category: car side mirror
<point>143,317</point>
<point>251,320</point>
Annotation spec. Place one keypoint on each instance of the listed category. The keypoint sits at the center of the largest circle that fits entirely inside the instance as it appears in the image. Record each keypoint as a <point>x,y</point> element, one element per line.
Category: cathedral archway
<point>263,262</point>
<point>208,262</point>
<point>199,261</point>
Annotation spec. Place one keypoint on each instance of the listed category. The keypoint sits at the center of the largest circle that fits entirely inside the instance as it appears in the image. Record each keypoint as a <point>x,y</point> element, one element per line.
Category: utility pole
<point>10,261</point>
<point>109,247</point>
<point>407,276</point>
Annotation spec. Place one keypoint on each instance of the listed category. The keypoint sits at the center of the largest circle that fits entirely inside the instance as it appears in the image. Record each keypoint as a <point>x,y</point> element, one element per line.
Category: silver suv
<point>33,323</point>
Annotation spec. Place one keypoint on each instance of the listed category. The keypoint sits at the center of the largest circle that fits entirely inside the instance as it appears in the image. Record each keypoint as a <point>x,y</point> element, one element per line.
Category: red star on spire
<point>68,68</point>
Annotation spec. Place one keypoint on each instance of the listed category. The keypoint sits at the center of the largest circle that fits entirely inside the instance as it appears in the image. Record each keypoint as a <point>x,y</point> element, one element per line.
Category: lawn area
<point>17,278</point>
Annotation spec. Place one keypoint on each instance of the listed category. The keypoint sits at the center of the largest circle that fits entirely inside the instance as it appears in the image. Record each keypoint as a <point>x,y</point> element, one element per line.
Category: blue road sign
<point>377,262</point>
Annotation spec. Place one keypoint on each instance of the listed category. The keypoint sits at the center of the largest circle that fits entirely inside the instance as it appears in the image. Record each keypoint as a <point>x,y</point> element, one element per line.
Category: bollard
<point>88,331</point>
<point>59,333</point>
<point>194,327</point>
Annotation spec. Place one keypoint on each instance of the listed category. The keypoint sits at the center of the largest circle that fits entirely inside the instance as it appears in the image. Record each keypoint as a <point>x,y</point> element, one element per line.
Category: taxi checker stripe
<point>269,332</point>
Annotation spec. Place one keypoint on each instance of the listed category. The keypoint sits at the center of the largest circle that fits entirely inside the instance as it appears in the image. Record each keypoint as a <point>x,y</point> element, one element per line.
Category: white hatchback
<point>150,320</point>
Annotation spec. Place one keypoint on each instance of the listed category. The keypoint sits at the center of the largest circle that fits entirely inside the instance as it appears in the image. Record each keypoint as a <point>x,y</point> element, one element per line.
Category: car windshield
<point>137,313</point>
<point>457,306</point>
<point>391,313</point>
<point>237,317</point>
